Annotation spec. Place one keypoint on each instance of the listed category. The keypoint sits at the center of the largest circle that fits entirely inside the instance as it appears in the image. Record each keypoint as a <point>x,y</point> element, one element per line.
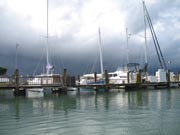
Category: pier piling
<point>168,78</point>
<point>106,79</point>
<point>95,77</point>
<point>128,77</point>
<point>16,75</point>
<point>65,80</point>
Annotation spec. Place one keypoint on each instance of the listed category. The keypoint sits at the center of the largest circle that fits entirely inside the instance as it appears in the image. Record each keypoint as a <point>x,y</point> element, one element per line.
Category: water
<point>149,112</point>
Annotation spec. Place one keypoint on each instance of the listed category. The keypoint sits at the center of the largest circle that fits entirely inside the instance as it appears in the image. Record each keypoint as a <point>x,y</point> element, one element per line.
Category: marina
<point>89,67</point>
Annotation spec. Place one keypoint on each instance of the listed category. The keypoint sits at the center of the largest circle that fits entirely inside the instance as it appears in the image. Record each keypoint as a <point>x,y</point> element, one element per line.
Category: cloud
<point>73,32</point>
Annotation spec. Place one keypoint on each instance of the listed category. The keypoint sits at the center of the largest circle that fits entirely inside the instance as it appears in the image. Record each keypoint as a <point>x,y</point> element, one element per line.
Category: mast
<point>16,60</point>
<point>145,37</point>
<point>48,65</point>
<point>155,40</point>
<point>127,38</point>
<point>100,52</point>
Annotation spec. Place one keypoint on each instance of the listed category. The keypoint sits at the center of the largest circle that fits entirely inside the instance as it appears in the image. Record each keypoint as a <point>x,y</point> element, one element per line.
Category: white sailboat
<point>90,78</point>
<point>48,77</point>
<point>161,74</point>
<point>120,76</point>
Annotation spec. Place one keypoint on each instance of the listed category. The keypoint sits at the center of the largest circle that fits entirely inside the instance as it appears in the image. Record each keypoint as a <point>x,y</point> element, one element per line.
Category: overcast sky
<point>73,33</point>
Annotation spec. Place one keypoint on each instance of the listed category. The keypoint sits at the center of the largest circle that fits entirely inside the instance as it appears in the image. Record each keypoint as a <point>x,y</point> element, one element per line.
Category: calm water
<point>149,112</point>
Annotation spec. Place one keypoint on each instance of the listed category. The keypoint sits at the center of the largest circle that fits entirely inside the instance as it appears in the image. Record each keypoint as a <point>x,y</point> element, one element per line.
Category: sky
<point>73,34</point>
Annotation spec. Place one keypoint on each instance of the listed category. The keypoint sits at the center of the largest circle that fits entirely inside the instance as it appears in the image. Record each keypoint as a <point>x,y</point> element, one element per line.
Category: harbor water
<point>139,112</point>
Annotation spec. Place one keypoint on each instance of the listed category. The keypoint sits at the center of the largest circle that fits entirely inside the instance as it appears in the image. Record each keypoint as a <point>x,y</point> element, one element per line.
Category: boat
<point>125,74</point>
<point>48,77</point>
<point>89,79</point>
<point>161,75</point>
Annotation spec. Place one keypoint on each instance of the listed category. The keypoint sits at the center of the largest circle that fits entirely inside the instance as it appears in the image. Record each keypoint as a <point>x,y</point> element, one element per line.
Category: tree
<point>3,70</point>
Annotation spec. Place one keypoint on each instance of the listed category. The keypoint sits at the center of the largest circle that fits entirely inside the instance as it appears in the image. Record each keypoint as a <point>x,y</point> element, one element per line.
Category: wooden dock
<point>129,86</point>
<point>61,83</point>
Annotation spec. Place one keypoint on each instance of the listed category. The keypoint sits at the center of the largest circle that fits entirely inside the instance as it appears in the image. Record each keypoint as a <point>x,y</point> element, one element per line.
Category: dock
<point>61,83</point>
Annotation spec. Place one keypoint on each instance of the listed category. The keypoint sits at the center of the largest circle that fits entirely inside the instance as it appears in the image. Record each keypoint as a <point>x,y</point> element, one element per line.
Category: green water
<point>148,112</point>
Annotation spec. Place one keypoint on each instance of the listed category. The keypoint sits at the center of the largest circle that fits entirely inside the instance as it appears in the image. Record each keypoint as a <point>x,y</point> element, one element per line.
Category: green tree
<point>3,70</point>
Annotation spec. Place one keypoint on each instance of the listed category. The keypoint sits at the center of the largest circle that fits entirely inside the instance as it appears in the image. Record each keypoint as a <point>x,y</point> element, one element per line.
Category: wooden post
<point>178,77</point>
<point>95,77</point>
<point>65,79</point>
<point>16,93</point>
<point>168,78</point>
<point>106,79</point>
<point>128,77</point>
<point>139,76</point>
<point>78,78</point>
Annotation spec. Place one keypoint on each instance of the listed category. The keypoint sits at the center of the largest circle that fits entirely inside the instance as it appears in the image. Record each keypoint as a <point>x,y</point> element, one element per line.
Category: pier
<point>19,84</point>
<point>61,83</point>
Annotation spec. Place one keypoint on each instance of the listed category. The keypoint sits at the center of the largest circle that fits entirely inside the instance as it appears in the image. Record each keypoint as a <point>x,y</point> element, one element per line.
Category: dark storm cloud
<point>77,50</point>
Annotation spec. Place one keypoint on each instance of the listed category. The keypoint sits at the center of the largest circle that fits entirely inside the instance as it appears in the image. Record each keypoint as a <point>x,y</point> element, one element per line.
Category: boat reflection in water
<point>35,93</point>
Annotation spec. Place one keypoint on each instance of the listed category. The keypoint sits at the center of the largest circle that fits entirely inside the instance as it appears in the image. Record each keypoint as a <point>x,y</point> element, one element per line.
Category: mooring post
<point>178,77</point>
<point>65,79</point>
<point>95,77</point>
<point>168,78</point>
<point>78,84</point>
<point>106,79</point>
<point>128,77</point>
<point>16,82</point>
<point>78,79</point>
<point>140,76</point>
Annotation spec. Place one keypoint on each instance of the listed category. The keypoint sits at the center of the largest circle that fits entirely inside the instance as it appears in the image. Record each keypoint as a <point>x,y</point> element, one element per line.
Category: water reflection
<point>88,99</point>
<point>89,112</point>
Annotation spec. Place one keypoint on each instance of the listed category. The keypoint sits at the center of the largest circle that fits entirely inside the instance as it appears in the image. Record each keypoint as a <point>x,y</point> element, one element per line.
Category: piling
<point>65,80</point>
<point>78,78</point>
<point>95,77</point>
<point>16,75</point>
<point>139,77</point>
<point>106,79</point>
<point>168,78</point>
<point>178,77</point>
<point>128,77</point>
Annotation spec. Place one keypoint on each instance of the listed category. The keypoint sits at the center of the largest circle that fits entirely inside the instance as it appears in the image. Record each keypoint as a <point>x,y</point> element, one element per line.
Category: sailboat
<point>127,73</point>
<point>87,79</point>
<point>161,74</point>
<point>48,77</point>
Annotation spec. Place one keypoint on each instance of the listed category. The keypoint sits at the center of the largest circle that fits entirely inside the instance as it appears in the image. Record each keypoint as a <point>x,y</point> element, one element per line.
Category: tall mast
<point>100,52</point>
<point>155,40</point>
<point>145,39</point>
<point>127,38</point>
<point>47,43</point>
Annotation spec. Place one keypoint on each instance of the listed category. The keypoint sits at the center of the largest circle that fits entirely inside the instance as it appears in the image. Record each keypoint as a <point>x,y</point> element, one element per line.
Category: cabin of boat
<point>89,79</point>
<point>120,76</point>
<point>46,79</point>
